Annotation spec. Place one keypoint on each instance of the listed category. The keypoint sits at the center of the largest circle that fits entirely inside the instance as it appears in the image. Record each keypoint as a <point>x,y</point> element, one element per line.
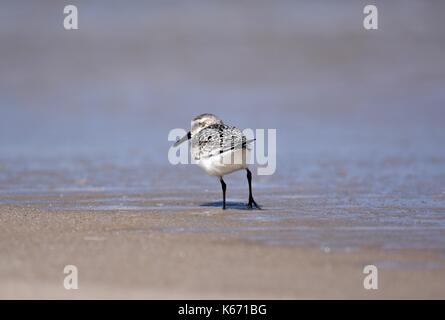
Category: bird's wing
<point>217,139</point>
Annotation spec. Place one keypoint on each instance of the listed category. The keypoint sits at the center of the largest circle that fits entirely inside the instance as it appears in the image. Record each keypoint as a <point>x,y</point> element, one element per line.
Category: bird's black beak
<point>184,138</point>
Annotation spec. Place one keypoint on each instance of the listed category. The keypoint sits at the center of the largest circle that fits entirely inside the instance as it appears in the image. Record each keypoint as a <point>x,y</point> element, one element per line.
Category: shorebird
<point>219,149</point>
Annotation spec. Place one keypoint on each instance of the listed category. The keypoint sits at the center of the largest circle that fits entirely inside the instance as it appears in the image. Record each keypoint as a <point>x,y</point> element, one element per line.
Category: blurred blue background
<point>354,109</point>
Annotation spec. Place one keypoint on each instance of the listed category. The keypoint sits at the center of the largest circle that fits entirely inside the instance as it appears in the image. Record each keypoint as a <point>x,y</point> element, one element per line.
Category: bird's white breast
<point>225,163</point>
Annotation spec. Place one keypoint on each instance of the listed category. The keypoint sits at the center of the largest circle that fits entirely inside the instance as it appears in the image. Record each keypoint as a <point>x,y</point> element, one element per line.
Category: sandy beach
<point>360,169</point>
<point>196,253</point>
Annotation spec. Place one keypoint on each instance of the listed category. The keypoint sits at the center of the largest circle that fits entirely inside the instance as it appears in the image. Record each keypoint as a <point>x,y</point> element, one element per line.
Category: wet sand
<point>199,253</point>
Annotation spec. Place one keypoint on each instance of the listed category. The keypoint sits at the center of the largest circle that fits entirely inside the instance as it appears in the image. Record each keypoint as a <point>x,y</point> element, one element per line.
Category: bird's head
<point>198,123</point>
<point>203,121</point>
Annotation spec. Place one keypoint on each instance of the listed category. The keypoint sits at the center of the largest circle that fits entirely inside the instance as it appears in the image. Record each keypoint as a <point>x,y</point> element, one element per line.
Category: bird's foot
<point>253,203</point>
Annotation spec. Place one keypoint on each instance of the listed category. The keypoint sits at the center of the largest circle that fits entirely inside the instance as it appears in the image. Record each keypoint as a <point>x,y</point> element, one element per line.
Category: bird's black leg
<point>223,185</point>
<point>251,201</point>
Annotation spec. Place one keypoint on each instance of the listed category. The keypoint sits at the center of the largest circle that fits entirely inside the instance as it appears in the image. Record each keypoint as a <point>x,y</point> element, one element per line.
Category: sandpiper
<point>219,149</point>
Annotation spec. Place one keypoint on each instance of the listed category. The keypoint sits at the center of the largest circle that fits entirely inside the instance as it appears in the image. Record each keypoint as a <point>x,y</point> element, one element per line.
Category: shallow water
<point>84,116</point>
